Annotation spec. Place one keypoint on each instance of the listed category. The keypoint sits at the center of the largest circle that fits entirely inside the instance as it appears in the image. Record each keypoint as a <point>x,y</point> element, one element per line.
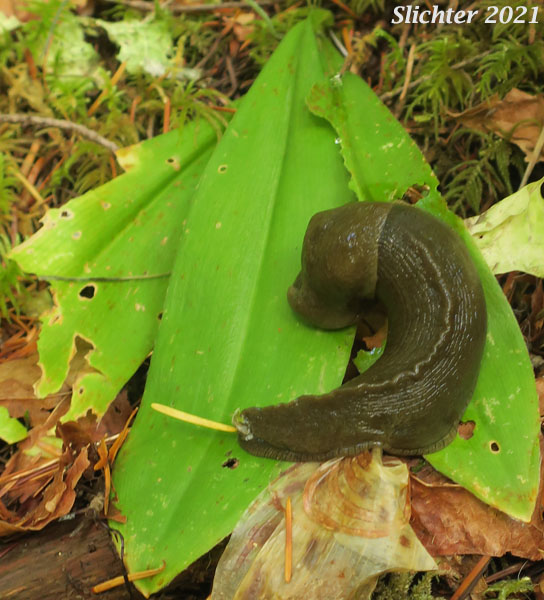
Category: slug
<point>410,400</point>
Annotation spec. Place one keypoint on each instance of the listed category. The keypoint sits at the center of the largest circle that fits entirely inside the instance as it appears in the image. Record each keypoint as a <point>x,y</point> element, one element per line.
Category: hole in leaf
<point>466,429</point>
<point>159,316</point>
<point>494,447</point>
<point>88,292</point>
<point>222,169</point>
<point>231,463</point>
<point>415,193</point>
<point>66,214</point>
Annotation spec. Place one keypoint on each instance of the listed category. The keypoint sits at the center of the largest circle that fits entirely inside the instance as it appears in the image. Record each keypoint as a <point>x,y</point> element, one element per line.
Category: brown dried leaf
<point>519,117</point>
<point>39,488</point>
<point>449,520</point>
<point>17,378</point>
<point>57,500</point>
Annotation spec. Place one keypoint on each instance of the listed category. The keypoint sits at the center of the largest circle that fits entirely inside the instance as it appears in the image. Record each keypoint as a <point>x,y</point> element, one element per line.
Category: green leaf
<point>380,156</point>
<point>120,230</point>
<point>510,234</point>
<point>366,358</point>
<point>11,431</point>
<point>228,338</point>
<point>500,462</point>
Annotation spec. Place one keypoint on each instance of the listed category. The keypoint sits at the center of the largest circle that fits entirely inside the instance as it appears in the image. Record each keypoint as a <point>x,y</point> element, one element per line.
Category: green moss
<point>408,586</point>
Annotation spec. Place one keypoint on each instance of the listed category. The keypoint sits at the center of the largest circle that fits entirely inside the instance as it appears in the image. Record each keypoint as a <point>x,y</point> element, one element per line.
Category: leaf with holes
<point>113,242</point>
<point>499,463</point>
<point>228,337</point>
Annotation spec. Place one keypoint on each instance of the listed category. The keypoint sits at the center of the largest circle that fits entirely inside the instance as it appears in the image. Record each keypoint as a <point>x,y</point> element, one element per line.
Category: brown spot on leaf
<point>466,429</point>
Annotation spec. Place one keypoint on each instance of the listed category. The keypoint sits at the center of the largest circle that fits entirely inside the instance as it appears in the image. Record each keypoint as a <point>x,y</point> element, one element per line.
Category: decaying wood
<point>63,561</point>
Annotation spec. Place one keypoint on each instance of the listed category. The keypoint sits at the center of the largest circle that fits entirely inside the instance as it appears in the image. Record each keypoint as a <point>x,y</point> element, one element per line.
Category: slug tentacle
<point>410,401</point>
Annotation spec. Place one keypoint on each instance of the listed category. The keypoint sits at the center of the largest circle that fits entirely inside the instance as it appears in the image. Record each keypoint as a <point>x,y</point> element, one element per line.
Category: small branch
<point>188,8</point>
<point>61,124</point>
<point>534,158</point>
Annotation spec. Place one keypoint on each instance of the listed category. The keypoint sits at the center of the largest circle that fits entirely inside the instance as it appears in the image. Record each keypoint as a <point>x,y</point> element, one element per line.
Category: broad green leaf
<point>380,156</point>
<point>122,229</point>
<point>500,462</point>
<point>510,234</point>
<point>228,338</point>
<point>11,431</point>
<point>366,358</point>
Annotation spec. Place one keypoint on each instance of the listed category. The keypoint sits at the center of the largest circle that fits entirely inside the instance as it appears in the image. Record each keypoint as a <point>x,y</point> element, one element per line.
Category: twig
<point>408,76</point>
<point>346,8</point>
<point>535,157</point>
<point>232,76</point>
<point>61,124</point>
<point>409,68</point>
<point>187,8</point>
<point>117,581</point>
<point>503,573</point>
<point>470,580</point>
<point>416,82</point>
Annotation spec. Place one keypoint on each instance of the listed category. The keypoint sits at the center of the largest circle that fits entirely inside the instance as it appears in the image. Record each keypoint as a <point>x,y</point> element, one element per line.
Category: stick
<point>61,124</point>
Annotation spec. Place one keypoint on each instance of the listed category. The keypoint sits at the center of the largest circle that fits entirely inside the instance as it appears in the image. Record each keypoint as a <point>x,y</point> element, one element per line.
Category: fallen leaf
<point>519,118</point>
<point>449,520</point>
<point>17,378</point>
<point>56,501</point>
<point>350,523</point>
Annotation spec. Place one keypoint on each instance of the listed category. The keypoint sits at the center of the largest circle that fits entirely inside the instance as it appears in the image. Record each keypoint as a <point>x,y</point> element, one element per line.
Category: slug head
<point>339,264</point>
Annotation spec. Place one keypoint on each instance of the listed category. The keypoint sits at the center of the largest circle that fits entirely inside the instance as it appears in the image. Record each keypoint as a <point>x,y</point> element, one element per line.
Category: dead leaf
<point>519,117</point>
<point>335,554</point>
<point>449,520</point>
<point>56,501</point>
<point>17,378</point>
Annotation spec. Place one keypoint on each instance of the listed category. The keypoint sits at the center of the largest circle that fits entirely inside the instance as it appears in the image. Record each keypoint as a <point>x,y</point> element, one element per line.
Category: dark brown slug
<point>410,401</point>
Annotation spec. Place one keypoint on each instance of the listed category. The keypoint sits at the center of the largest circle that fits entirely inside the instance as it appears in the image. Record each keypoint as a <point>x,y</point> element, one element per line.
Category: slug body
<point>411,400</point>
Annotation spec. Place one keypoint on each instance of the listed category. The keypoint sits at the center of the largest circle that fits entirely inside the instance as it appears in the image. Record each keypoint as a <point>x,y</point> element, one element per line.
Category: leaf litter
<point>518,117</point>
<point>38,482</point>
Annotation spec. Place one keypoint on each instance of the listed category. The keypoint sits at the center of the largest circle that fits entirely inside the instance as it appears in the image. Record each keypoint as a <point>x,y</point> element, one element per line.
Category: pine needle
<point>288,540</point>
<point>188,418</point>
